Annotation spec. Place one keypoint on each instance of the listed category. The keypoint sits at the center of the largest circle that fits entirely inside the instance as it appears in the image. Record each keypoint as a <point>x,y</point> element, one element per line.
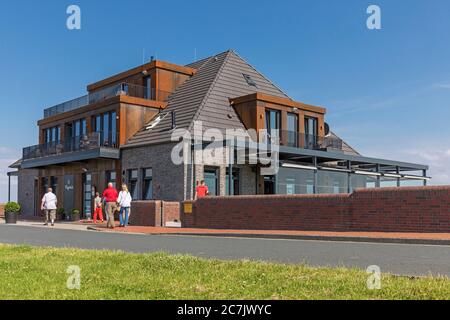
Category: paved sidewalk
<point>58,225</point>
<point>384,237</point>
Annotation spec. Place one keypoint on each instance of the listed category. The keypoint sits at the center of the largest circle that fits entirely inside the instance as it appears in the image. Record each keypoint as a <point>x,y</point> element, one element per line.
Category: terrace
<point>120,89</point>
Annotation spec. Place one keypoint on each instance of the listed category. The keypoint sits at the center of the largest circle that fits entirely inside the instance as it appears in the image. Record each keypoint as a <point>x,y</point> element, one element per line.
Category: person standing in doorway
<point>110,195</point>
<point>49,203</point>
<point>124,202</point>
<point>201,190</point>
<point>98,203</point>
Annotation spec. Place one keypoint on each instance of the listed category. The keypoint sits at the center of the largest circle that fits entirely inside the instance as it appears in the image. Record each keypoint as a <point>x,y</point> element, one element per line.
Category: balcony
<point>308,141</point>
<point>85,147</point>
<point>126,89</point>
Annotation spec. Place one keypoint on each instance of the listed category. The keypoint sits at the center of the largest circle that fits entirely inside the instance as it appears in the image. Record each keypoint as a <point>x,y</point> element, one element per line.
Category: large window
<point>332,181</point>
<point>54,184</point>
<point>311,132</point>
<point>147,181</point>
<point>273,122</point>
<point>235,182</point>
<point>132,183</point>
<point>212,180</point>
<point>44,185</point>
<point>111,176</point>
<point>106,126</point>
<point>295,181</point>
<point>148,87</point>
<point>52,135</point>
<point>292,129</point>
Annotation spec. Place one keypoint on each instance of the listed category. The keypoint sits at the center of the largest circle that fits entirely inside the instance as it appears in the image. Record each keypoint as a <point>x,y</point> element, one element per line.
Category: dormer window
<point>249,80</point>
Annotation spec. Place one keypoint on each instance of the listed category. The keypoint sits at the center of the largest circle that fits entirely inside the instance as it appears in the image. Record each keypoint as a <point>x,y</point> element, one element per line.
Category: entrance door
<point>269,185</point>
<point>87,195</point>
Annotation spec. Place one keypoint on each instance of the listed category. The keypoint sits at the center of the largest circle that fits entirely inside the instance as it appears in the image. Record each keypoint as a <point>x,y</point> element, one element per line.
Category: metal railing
<point>126,89</point>
<point>80,143</point>
<point>306,141</point>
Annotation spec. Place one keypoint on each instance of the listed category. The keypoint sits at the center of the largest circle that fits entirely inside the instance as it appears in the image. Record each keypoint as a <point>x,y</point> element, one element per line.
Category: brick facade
<point>408,209</point>
<point>168,178</point>
<point>154,213</point>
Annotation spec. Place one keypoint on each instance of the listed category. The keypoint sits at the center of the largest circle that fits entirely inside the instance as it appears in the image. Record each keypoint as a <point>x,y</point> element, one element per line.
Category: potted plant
<point>60,214</point>
<point>12,210</point>
<point>75,215</point>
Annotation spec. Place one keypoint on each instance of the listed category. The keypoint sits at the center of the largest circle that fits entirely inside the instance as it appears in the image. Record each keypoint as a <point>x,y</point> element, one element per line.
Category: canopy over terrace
<point>318,171</point>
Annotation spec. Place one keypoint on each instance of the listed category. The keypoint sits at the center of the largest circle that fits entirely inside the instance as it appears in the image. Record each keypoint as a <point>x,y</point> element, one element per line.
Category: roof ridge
<point>206,59</point>
<point>205,98</point>
<point>261,74</point>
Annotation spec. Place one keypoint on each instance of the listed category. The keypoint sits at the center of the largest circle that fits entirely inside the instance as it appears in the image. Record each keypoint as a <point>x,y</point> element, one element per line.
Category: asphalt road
<point>402,259</point>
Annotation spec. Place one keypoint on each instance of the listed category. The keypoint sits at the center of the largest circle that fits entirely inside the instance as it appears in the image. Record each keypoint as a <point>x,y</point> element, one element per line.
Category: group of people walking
<point>111,201</point>
<point>114,201</point>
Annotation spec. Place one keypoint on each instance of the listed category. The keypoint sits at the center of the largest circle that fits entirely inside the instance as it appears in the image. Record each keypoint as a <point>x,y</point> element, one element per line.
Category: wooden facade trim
<point>156,64</point>
<point>258,96</point>
<point>99,106</point>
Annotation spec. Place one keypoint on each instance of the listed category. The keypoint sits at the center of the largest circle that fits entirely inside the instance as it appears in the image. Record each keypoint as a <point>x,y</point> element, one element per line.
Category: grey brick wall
<point>168,178</point>
<point>175,182</point>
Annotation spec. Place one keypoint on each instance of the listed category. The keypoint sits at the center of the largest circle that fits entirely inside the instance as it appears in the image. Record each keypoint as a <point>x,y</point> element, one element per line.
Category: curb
<point>437,242</point>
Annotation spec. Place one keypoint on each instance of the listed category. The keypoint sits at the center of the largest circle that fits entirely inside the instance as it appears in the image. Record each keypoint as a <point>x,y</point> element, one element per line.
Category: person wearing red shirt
<point>110,195</point>
<point>201,190</point>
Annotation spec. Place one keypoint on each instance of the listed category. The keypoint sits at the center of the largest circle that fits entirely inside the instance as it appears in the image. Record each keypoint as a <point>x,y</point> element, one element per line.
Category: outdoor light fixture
<point>334,169</point>
<point>416,177</point>
<point>297,166</point>
<point>367,173</point>
<point>391,175</point>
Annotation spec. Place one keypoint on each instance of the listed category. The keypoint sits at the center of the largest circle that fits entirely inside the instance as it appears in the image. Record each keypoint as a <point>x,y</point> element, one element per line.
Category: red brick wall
<point>408,209</point>
<point>148,213</point>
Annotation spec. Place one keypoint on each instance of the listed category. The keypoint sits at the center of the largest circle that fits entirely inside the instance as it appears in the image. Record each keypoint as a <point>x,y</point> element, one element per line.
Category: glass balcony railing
<point>126,89</point>
<point>305,141</point>
<point>85,142</point>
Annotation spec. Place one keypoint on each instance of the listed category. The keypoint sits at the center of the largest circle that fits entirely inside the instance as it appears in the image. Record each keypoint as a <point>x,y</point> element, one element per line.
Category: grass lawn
<point>40,273</point>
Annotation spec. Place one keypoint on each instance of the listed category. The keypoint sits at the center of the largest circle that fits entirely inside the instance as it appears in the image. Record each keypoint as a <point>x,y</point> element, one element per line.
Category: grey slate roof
<point>204,97</point>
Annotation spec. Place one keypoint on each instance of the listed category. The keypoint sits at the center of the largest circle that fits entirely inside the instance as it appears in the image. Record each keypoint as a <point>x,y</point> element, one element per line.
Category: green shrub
<point>60,211</point>
<point>75,211</point>
<point>12,207</point>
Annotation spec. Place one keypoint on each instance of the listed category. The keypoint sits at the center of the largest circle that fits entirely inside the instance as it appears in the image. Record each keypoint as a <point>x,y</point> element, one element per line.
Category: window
<point>54,184</point>
<point>52,135</point>
<point>292,127</point>
<point>106,125</point>
<point>105,130</point>
<point>273,122</point>
<point>311,132</point>
<point>44,185</point>
<point>249,80</point>
<point>235,183</point>
<point>132,183</point>
<point>148,87</point>
<point>113,129</point>
<point>111,176</point>
<point>147,187</point>
<point>212,180</point>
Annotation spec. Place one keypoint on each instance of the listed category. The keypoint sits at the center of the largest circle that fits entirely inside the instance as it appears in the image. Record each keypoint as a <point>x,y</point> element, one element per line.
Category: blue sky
<point>387,91</point>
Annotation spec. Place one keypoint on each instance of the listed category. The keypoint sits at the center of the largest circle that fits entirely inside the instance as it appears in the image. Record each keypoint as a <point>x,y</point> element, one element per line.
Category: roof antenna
<point>143,56</point>
<point>195,54</point>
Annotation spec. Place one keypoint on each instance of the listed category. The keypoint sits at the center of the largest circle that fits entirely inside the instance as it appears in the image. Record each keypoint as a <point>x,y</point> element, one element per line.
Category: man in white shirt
<point>49,202</point>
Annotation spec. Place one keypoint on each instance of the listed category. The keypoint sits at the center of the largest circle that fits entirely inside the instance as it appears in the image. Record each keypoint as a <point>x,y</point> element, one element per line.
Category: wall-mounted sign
<point>188,208</point>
